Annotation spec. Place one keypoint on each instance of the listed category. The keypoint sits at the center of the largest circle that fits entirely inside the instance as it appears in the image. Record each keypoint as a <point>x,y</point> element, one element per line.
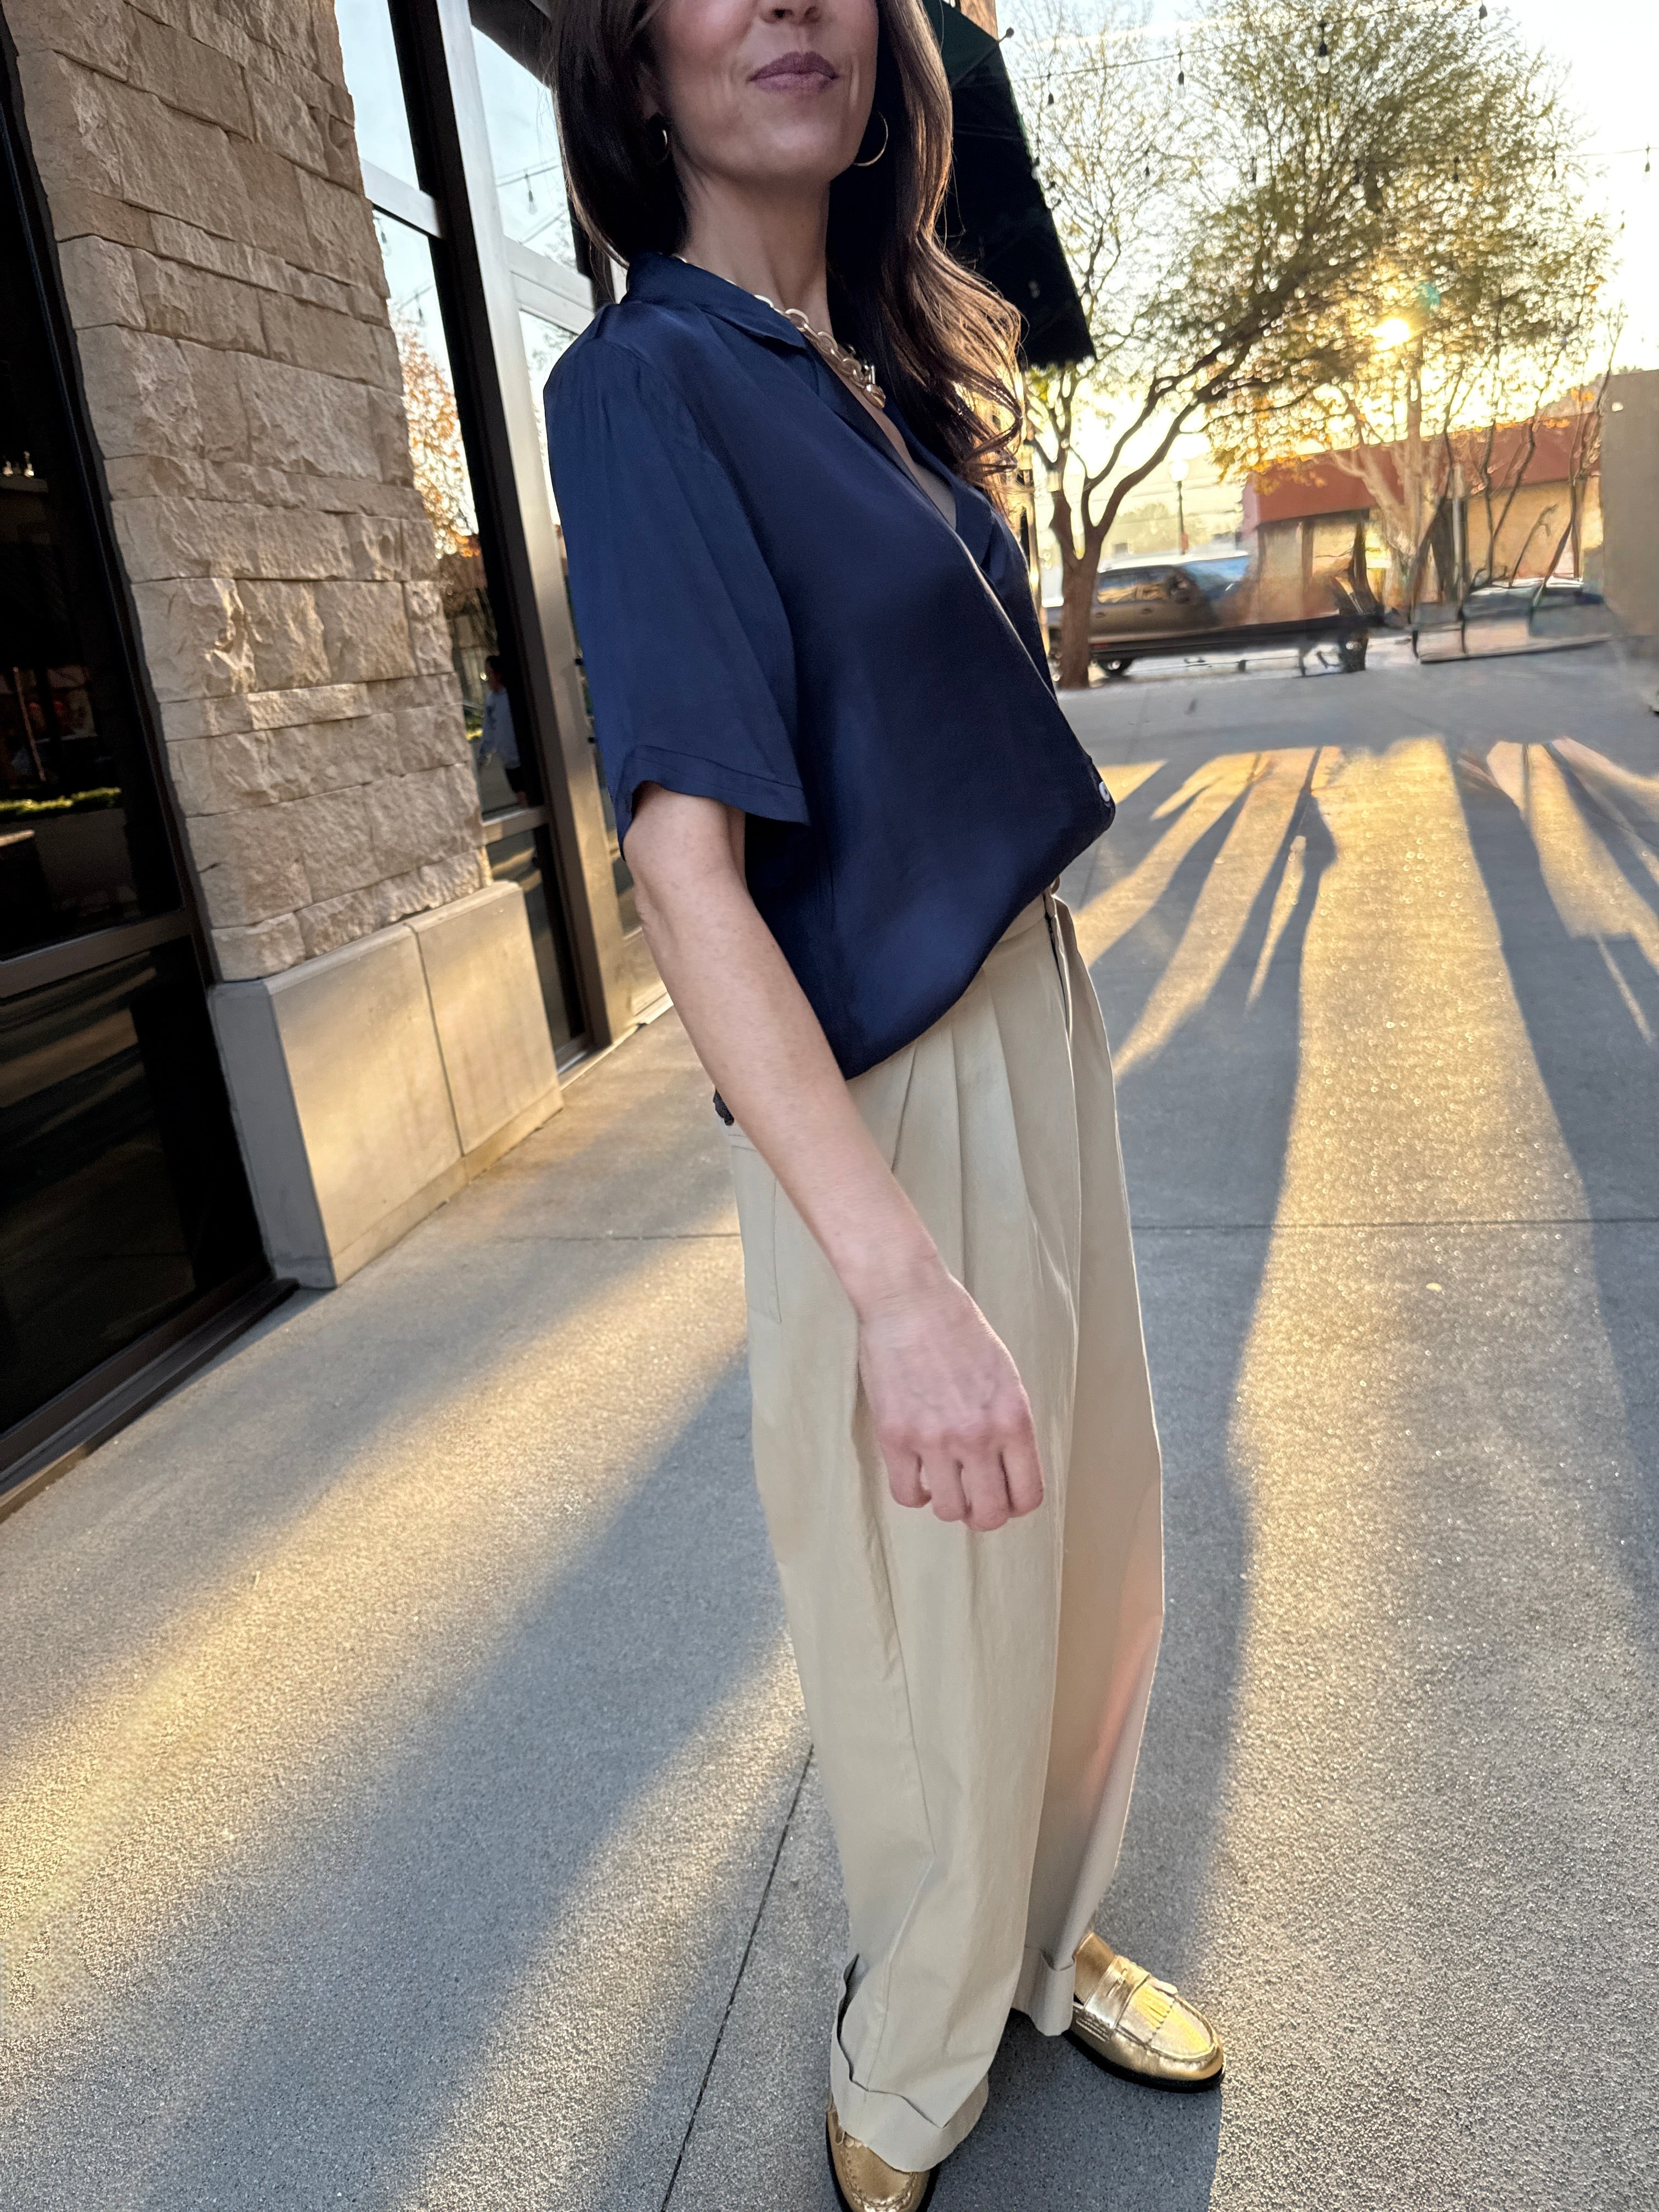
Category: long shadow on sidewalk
<point>506,1949</point>
<point>1579,1001</point>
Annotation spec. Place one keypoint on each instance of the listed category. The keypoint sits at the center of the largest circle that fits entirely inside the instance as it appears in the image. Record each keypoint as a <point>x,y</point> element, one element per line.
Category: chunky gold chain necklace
<point>850,367</point>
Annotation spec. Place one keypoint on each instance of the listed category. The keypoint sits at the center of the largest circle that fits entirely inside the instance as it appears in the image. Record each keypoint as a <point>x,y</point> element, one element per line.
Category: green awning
<point>996,221</point>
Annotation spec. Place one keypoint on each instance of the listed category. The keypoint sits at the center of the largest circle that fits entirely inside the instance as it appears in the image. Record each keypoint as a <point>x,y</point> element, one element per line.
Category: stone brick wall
<point>222,273</point>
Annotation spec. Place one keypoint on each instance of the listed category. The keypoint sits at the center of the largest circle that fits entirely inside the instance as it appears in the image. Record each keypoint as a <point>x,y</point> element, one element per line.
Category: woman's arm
<point>950,1414</point>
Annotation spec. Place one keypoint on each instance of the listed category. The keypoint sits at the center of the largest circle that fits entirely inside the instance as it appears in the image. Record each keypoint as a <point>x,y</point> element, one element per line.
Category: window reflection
<point>444,484</point>
<point>68,840</point>
<point>64,865</point>
<point>501,781</point>
<point>524,145</point>
<point>375,83</point>
<point>123,1199</point>
<point>544,342</point>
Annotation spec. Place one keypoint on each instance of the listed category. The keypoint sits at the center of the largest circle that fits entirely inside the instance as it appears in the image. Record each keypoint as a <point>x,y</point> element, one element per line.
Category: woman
<point>844,786</point>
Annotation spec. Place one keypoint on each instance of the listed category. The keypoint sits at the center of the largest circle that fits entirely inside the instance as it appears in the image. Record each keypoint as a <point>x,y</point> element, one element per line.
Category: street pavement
<point>404,1798</point>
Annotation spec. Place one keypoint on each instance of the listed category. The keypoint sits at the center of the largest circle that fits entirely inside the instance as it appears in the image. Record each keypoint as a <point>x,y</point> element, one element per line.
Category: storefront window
<point>77,851</point>
<point>124,1199</point>
<point>544,342</point>
<point>444,484</point>
<point>510,181</point>
<point>64,862</point>
<point>443,478</point>
<point>524,144</point>
<point>372,78</point>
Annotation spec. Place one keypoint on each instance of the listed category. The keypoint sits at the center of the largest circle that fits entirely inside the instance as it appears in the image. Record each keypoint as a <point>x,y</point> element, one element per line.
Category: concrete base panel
<point>372,1084</point>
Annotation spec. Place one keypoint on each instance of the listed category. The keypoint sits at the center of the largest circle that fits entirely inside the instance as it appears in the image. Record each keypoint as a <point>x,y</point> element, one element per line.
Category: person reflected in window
<point>499,740</point>
<point>846,790</point>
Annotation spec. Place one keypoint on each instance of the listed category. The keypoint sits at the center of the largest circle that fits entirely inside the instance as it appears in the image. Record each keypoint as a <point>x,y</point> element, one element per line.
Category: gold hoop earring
<point>661,122</point>
<point>886,134</point>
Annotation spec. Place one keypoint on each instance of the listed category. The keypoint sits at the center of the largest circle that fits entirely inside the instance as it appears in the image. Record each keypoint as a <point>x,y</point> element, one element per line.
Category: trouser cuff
<point>1044,1992</point>
<point>891,2126</point>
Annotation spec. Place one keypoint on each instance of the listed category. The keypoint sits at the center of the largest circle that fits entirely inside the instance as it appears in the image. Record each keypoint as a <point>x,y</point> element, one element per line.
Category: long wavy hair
<point>940,340</point>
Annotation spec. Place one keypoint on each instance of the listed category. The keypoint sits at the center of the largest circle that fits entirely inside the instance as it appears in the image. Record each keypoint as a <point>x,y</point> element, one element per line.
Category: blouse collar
<point>666,281</point>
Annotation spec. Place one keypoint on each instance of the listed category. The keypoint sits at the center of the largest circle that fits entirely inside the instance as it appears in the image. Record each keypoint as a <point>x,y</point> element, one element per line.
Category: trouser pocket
<point>1062,973</point>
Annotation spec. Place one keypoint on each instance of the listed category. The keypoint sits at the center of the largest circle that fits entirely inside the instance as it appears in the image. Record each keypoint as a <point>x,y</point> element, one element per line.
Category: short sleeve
<point>689,660</point>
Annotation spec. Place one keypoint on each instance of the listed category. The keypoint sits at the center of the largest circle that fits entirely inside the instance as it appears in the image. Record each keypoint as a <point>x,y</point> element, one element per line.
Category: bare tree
<point>1484,299</point>
<point>1495,465</point>
<point>1102,125</point>
<point>1234,198</point>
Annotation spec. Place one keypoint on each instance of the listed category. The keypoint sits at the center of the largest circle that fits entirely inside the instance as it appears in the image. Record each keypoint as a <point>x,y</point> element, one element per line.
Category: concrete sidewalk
<point>404,1799</point>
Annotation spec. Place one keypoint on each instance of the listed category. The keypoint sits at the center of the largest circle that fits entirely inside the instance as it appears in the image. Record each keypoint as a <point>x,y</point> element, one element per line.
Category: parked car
<point>1144,604</point>
<point>1147,608</point>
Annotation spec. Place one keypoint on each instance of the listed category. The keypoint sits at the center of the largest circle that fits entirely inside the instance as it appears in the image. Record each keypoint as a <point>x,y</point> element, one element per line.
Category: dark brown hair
<point>941,341</point>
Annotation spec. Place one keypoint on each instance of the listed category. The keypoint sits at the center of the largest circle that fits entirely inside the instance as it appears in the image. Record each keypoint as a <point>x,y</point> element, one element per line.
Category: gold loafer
<point>865,2183</point>
<point>1128,2022</point>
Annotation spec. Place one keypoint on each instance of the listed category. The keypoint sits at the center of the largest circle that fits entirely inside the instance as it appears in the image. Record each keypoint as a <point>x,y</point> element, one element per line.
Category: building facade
<point>1518,503</point>
<point>309,896</point>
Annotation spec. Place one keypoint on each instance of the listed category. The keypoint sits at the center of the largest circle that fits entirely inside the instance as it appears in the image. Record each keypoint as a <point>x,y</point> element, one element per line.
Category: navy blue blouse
<point>773,612</point>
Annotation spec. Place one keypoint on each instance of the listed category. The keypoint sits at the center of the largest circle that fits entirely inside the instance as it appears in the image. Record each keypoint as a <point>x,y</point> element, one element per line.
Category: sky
<point>1611,48</point>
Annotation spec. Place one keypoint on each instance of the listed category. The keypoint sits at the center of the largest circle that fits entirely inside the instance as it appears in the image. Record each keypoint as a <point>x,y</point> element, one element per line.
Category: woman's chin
<point>792,153</point>
<point>789,174</point>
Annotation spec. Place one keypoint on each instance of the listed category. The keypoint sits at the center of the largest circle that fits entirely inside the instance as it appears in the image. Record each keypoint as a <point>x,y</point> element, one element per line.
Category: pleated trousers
<point>976,1701</point>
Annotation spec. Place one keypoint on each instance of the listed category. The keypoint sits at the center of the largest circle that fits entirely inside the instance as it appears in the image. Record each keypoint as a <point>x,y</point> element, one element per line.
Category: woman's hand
<point>950,1414</point>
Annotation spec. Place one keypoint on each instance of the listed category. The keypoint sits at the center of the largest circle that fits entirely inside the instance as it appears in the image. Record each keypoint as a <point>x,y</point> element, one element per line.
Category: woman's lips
<point>796,69</point>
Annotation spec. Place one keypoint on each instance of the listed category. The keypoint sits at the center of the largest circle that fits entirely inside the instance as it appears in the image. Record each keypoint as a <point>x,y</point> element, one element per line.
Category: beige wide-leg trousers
<point>976,1701</point>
